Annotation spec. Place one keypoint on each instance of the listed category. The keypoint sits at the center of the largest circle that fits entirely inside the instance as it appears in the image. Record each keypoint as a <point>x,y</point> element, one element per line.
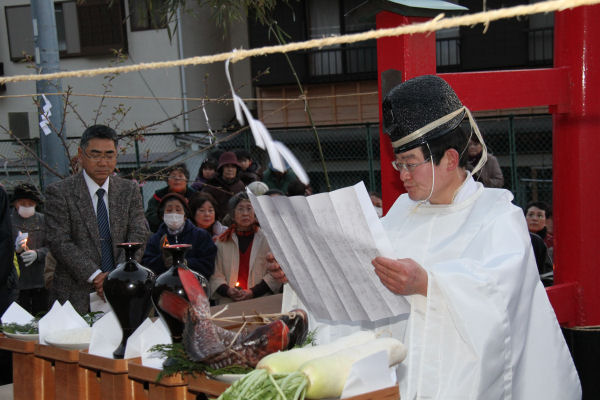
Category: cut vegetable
<point>327,375</point>
<point>290,360</point>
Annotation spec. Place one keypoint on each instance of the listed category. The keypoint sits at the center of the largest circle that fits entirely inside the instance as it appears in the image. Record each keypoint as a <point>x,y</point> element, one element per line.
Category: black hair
<point>179,167</point>
<point>296,188</point>
<point>173,196</point>
<point>243,155</point>
<point>542,205</point>
<point>98,132</point>
<point>209,163</point>
<point>198,199</point>
<point>271,192</point>
<point>458,140</point>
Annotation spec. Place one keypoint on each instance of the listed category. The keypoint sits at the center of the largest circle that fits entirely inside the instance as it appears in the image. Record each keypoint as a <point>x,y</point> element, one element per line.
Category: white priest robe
<point>486,329</point>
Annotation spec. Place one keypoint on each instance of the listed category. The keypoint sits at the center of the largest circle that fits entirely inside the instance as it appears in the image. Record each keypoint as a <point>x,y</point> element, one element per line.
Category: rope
<point>433,25</point>
<point>218,99</point>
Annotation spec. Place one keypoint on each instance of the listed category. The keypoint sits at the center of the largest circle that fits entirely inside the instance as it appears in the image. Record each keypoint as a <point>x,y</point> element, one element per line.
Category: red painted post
<point>576,144</point>
<point>413,55</point>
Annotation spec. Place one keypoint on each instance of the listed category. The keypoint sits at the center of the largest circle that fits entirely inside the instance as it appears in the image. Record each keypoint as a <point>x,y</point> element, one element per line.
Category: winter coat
<point>228,261</point>
<point>200,258</point>
<point>152,210</point>
<point>32,276</point>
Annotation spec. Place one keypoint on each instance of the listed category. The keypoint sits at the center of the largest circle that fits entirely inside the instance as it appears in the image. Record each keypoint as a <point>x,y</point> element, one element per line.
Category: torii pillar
<point>572,91</point>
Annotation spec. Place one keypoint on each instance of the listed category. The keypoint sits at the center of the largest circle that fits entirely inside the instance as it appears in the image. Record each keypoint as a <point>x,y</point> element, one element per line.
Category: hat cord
<point>427,128</point>
<point>440,121</point>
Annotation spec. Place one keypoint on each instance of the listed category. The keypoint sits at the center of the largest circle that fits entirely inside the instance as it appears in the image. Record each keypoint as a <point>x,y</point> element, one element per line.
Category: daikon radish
<point>327,375</point>
<point>289,361</point>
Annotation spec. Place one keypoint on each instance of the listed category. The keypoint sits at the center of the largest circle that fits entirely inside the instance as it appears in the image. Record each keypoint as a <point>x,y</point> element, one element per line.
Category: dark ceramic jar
<point>170,281</point>
<point>128,290</point>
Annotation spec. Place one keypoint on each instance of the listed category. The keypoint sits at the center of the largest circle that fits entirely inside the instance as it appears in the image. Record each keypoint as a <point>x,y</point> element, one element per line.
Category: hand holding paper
<point>404,276</point>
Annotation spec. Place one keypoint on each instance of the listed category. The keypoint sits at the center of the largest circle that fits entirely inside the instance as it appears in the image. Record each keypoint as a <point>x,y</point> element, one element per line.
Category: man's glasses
<point>410,167</point>
<point>99,155</point>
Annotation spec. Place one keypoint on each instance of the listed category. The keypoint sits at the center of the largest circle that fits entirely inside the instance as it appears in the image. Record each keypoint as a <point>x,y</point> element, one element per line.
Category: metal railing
<point>354,60</point>
<point>522,144</point>
<point>541,46</point>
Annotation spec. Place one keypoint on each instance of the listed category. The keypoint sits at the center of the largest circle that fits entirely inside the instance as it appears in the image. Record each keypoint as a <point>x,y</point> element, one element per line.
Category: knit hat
<point>27,191</point>
<point>424,107</point>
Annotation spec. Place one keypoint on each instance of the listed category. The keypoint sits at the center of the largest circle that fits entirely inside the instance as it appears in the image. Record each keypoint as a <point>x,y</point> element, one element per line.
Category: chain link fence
<point>522,144</point>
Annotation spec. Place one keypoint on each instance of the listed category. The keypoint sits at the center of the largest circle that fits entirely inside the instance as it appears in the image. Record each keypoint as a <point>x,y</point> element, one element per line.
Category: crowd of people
<point>228,250</point>
<point>480,324</point>
<point>66,252</point>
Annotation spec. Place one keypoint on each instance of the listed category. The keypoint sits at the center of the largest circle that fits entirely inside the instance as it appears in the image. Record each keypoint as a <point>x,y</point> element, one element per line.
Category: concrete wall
<point>200,37</point>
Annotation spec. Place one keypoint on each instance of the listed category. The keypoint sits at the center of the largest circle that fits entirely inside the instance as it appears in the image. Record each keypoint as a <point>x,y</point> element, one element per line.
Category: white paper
<point>325,244</point>
<point>369,374</point>
<point>97,304</point>
<point>106,336</point>
<point>158,333</point>
<point>15,314</point>
<point>60,317</point>
<point>277,151</point>
<point>45,115</point>
<point>134,343</point>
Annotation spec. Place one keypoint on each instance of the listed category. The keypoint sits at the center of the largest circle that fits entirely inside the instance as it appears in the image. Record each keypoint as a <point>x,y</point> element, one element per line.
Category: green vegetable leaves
<point>181,364</point>
<point>30,328</point>
<point>260,385</point>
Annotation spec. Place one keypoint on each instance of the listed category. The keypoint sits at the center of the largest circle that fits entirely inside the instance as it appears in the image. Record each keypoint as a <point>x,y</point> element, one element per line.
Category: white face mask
<point>174,221</point>
<point>26,212</point>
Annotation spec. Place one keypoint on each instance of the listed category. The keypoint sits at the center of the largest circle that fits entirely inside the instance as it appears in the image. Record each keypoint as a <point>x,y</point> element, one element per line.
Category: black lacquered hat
<point>420,110</point>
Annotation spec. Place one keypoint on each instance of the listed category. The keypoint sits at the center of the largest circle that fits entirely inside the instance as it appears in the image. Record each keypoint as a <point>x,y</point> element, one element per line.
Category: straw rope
<point>218,99</point>
<point>433,25</point>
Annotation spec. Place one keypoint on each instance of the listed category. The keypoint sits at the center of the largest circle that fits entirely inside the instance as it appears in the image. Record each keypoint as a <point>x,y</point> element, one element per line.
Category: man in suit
<point>87,215</point>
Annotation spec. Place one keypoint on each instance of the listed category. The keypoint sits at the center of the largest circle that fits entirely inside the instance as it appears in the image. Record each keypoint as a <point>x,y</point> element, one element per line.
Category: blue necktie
<point>107,263</point>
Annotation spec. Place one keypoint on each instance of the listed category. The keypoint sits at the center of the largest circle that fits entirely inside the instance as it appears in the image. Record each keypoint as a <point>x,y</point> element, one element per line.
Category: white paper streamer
<point>277,151</point>
<point>45,115</point>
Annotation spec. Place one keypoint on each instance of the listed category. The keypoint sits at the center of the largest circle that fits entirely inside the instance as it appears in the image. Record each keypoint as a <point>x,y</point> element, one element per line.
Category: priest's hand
<point>403,276</point>
<point>275,269</point>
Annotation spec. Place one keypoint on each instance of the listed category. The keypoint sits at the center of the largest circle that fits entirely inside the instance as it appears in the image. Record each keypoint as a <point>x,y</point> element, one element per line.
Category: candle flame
<point>237,284</point>
<point>165,242</point>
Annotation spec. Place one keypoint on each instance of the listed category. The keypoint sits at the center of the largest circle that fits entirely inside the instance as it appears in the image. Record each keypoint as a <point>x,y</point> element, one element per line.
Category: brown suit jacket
<point>73,235</point>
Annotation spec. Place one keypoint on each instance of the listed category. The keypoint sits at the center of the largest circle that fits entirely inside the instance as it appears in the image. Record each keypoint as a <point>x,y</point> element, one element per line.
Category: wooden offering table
<point>391,393</point>
<point>107,378</point>
<point>146,386</point>
<point>27,369</point>
<point>62,376</point>
<point>200,383</point>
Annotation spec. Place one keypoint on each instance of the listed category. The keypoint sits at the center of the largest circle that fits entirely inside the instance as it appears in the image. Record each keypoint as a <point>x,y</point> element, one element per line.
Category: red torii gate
<point>572,91</point>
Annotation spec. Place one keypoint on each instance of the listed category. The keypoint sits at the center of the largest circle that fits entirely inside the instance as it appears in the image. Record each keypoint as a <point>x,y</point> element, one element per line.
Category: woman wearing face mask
<point>29,236</point>
<point>241,265</point>
<point>176,228</point>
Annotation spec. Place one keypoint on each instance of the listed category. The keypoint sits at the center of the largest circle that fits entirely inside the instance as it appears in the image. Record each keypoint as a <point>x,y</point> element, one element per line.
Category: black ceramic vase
<point>128,289</point>
<point>170,281</point>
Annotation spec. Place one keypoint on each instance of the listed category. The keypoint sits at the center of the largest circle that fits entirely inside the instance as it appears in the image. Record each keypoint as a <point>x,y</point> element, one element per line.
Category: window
<point>327,18</point>
<point>90,28</point>
<point>18,123</point>
<point>147,14</point>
